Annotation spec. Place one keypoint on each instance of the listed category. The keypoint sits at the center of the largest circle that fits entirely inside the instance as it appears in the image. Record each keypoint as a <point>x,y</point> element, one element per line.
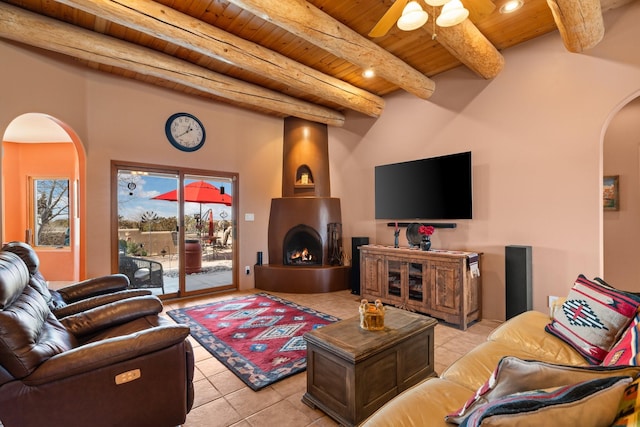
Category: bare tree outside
<point>52,212</point>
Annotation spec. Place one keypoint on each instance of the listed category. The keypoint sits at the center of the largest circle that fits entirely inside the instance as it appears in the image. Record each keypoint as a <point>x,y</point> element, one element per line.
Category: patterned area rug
<point>258,337</point>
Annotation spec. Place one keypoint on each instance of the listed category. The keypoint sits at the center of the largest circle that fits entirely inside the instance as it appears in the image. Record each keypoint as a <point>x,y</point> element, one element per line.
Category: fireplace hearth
<point>304,236</point>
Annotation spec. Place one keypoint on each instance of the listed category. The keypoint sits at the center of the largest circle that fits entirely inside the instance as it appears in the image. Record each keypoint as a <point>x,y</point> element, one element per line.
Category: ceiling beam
<point>466,43</point>
<point>579,22</point>
<point>313,25</point>
<point>167,24</point>
<point>46,33</point>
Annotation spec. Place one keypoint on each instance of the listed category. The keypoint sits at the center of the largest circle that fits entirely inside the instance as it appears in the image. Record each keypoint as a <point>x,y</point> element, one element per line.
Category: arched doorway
<point>621,223</point>
<point>43,170</point>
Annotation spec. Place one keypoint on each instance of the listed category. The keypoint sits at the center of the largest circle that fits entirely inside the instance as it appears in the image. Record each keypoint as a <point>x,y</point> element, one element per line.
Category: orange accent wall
<point>22,161</point>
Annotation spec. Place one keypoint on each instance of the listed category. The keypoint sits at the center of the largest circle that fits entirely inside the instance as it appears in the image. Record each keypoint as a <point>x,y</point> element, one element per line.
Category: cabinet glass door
<point>394,278</point>
<point>415,281</point>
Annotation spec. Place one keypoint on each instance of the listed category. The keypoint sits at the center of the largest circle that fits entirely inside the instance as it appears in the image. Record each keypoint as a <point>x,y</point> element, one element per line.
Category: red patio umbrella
<point>198,192</point>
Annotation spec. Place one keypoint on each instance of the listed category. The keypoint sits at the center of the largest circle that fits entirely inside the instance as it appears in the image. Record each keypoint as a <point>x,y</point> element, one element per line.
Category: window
<point>50,211</point>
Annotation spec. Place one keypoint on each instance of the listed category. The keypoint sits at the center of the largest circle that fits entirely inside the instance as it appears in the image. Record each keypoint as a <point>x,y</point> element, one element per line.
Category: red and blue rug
<point>258,337</point>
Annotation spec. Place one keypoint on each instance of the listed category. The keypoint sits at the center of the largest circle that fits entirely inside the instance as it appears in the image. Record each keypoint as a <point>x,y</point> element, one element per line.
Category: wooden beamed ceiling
<point>289,57</point>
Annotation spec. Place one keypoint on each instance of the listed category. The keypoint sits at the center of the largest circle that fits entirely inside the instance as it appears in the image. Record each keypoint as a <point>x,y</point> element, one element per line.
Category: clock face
<point>185,132</point>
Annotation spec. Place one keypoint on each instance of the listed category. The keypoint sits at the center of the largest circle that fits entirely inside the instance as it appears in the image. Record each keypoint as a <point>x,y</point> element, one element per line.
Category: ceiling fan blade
<point>478,8</point>
<point>388,19</point>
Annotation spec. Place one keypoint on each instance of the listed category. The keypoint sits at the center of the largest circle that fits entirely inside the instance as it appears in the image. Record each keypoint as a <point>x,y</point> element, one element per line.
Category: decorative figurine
<point>371,315</point>
<point>396,233</point>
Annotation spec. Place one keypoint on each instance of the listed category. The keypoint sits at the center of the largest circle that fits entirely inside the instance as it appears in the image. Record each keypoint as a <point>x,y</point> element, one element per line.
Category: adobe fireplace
<point>304,238</point>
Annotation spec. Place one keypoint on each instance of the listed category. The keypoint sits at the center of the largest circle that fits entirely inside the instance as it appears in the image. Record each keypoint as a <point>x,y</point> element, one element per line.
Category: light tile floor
<point>222,399</point>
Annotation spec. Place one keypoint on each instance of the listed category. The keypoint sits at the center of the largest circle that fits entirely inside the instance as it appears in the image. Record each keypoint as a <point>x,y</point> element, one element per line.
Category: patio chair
<point>142,273</point>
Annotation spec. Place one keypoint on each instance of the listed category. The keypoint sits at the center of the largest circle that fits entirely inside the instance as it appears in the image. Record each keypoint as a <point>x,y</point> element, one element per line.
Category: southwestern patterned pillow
<point>593,318</point>
<point>629,408</point>
<point>588,404</point>
<point>625,351</point>
<point>514,375</point>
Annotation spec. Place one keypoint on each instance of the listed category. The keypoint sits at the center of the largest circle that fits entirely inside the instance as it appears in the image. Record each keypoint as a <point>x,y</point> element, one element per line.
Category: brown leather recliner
<point>80,296</point>
<point>118,364</point>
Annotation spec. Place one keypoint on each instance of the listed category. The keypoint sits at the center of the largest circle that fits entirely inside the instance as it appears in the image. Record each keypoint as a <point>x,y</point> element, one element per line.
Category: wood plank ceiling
<point>288,57</point>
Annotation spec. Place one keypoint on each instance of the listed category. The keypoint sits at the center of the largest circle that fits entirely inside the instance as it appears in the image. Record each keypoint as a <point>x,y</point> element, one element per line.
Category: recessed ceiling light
<point>511,6</point>
<point>368,73</point>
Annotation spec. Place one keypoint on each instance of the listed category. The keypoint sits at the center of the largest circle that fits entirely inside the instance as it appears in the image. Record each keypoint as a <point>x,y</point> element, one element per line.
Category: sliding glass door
<point>208,231</point>
<point>175,229</point>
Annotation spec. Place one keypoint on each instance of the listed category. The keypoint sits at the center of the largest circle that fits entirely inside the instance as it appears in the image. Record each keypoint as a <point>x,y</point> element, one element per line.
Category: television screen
<point>433,188</point>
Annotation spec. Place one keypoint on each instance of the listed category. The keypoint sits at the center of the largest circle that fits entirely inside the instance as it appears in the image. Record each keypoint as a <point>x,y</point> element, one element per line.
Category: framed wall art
<point>610,193</point>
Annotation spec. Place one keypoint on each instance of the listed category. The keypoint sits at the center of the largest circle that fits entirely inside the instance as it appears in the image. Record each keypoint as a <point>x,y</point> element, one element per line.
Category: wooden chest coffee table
<point>351,372</point>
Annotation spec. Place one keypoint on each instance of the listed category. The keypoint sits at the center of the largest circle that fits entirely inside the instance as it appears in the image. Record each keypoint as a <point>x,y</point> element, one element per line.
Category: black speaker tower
<point>518,280</point>
<point>356,242</point>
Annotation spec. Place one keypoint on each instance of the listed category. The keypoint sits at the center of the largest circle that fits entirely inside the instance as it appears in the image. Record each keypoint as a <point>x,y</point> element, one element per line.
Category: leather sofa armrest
<point>92,302</point>
<point>108,352</point>
<point>94,286</point>
<point>115,313</point>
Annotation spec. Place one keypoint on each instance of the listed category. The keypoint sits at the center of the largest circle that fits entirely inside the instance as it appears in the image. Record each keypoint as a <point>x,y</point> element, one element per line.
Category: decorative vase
<point>425,244</point>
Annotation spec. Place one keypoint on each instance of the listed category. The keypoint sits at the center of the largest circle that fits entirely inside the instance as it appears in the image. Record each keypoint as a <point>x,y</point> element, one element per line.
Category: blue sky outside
<point>133,203</point>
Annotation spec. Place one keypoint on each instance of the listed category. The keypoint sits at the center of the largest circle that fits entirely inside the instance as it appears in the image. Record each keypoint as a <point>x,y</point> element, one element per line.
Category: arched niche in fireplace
<point>302,246</point>
<point>304,177</point>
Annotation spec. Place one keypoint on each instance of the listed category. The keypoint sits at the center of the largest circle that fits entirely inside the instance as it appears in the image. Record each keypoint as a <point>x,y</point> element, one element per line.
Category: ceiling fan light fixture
<point>413,17</point>
<point>453,13</point>
<point>511,6</point>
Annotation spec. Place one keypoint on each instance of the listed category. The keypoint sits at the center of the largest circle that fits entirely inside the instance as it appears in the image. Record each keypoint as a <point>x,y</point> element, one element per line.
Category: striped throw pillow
<point>593,318</point>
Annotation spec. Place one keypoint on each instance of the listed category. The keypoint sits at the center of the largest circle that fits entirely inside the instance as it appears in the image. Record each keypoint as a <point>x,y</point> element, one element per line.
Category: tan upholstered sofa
<point>429,402</point>
<point>524,336</point>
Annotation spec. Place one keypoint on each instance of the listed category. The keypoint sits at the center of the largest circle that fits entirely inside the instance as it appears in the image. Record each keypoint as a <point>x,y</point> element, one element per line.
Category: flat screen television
<point>433,188</point>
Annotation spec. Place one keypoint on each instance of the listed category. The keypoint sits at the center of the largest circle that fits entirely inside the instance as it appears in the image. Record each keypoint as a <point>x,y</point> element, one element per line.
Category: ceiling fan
<point>410,15</point>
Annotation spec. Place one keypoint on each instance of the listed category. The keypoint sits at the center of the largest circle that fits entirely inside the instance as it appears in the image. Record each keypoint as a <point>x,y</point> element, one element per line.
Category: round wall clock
<point>185,132</point>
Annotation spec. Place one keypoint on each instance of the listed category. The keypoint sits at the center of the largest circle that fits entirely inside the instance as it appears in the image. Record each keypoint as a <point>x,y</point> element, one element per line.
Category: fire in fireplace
<point>302,246</point>
<point>301,257</point>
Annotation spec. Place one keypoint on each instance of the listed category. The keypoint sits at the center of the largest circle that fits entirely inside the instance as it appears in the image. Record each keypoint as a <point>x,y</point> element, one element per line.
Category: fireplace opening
<point>302,246</point>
